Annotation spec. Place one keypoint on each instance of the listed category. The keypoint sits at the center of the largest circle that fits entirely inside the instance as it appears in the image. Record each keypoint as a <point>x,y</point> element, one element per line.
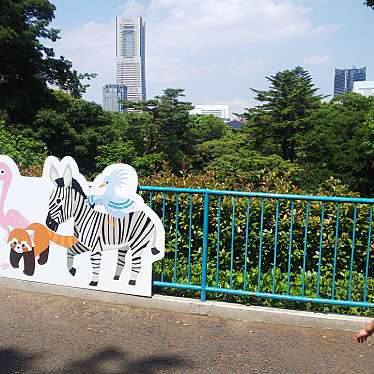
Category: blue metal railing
<point>276,246</point>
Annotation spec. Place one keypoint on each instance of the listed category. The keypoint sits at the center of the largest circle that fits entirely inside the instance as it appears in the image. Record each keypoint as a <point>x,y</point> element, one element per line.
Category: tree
<point>233,157</point>
<point>285,113</point>
<point>369,3</point>
<point>27,66</point>
<point>73,127</point>
<point>114,152</point>
<point>166,128</point>
<point>28,153</point>
<point>203,128</point>
<point>340,144</point>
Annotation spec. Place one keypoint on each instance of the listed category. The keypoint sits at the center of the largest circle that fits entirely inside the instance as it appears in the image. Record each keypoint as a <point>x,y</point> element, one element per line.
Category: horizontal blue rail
<point>311,249</point>
<point>268,195</point>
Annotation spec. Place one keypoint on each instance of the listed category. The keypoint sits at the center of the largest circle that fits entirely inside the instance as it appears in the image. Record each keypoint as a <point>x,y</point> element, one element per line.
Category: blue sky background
<point>217,49</point>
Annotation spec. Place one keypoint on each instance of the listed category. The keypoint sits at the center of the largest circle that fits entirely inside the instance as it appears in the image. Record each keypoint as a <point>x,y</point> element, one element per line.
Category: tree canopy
<point>27,65</point>
<point>167,125</point>
<point>339,143</point>
<point>284,112</point>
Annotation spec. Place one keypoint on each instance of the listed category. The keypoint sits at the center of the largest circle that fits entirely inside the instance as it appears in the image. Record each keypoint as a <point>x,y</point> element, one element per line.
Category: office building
<point>220,111</point>
<point>112,94</point>
<point>364,88</point>
<point>344,79</point>
<point>130,56</point>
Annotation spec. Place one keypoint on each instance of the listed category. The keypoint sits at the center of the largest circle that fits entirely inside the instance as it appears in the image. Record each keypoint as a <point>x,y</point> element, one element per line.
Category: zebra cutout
<point>97,231</point>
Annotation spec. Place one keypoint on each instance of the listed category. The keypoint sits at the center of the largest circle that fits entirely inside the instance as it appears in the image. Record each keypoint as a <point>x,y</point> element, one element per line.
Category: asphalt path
<point>43,333</point>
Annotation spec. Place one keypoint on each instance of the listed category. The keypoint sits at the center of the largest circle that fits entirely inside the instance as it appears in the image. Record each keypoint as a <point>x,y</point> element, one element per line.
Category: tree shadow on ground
<point>14,361</point>
<point>109,360</point>
<point>114,361</point>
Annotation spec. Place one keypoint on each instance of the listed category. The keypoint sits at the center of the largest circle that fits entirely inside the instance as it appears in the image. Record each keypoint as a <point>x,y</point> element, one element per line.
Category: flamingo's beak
<point>102,185</point>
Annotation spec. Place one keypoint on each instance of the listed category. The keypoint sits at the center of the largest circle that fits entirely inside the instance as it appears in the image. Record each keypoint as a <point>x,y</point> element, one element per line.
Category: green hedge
<point>245,273</point>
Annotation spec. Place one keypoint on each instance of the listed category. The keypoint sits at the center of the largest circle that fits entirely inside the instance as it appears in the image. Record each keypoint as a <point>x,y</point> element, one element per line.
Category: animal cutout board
<point>61,229</point>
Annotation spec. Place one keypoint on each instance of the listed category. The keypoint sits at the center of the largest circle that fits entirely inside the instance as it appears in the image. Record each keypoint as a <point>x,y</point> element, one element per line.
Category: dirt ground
<point>54,334</point>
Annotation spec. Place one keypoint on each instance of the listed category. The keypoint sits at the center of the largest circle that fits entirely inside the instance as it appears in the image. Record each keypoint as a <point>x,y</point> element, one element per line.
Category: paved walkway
<point>55,334</point>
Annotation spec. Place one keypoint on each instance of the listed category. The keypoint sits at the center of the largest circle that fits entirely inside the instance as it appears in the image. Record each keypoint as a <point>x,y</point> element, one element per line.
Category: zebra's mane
<point>75,186</point>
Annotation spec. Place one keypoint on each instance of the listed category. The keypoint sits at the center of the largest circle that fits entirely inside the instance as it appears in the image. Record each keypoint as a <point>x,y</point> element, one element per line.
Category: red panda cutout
<point>32,242</point>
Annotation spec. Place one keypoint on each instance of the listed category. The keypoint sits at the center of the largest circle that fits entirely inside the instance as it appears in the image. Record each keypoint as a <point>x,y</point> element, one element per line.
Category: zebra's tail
<point>154,249</point>
<point>158,232</point>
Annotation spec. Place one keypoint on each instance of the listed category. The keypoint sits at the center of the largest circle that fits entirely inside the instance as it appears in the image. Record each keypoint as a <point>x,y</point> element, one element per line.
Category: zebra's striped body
<point>98,231</point>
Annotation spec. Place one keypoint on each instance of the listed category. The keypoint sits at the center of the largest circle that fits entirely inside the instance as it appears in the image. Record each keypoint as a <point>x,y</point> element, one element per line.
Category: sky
<point>217,50</point>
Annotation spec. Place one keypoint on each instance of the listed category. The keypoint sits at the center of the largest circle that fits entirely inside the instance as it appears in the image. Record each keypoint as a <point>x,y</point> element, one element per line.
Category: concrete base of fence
<point>207,308</point>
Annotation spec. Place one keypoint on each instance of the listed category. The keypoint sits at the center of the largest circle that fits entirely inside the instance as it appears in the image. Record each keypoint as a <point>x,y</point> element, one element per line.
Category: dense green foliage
<point>73,127</point>
<point>29,153</point>
<point>27,66</point>
<point>166,124</point>
<point>340,143</point>
<point>284,114</point>
<point>237,242</point>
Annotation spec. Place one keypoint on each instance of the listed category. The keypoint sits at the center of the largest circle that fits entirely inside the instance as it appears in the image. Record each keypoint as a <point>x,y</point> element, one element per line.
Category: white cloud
<point>189,42</point>
<point>197,24</point>
<point>326,29</point>
<point>91,47</point>
<point>171,71</point>
<point>132,8</point>
<point>317,60</point>
<point>237,105</point>
<point>246,66</point>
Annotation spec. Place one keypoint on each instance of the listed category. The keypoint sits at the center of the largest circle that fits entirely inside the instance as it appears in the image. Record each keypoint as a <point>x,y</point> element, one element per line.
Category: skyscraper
<point>345,78</point>
<point>130,54</point>
<point>112,93</point>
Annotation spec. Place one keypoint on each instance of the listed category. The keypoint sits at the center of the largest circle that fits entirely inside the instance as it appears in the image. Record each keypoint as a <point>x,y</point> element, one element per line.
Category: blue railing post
<point>205,247</point>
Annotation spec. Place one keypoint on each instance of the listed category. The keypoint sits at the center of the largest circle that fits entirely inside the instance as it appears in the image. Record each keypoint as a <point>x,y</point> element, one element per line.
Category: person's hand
<point>362,336</point>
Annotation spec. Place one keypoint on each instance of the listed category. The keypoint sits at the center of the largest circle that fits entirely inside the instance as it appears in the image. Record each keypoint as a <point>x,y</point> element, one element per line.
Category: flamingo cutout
<point>12,218</point>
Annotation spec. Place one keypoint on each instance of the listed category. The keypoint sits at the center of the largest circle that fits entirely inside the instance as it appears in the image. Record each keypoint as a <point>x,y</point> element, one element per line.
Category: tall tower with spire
<point>130,56</point>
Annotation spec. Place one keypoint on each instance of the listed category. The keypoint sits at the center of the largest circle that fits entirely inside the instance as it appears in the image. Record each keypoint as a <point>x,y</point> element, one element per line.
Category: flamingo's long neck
<point>4,192</point>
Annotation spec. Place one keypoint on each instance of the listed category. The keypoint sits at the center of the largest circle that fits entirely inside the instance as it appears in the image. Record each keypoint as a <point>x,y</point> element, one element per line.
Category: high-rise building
<point>130,54</point>
<point>219,110</point>
<point>112,94</point>
<point>344,79</point>
<point>364,88</point>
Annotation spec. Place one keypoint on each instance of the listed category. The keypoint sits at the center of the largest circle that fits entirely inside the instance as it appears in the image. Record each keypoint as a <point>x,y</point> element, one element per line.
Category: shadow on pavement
<point>114,361</point>
<point>14,361</point>
<point>109,360</point>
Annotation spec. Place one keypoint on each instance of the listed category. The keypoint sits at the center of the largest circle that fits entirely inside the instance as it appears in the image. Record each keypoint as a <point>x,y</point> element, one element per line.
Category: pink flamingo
<point>12,218</point>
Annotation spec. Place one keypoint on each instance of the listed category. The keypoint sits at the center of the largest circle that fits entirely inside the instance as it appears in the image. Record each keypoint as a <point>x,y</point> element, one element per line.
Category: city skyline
<point>217,50</point>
